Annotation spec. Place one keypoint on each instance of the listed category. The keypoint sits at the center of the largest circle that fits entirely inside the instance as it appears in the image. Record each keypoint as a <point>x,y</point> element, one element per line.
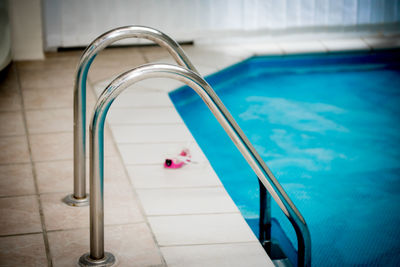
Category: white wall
<point>26,29</point>
<point>77,22</point>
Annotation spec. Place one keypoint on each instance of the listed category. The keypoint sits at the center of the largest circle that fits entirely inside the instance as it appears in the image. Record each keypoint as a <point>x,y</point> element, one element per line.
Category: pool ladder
<point>187,74</point>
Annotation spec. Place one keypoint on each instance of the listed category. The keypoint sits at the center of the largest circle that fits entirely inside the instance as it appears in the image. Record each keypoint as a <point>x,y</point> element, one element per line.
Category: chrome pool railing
<point>97,256</point>
<point>79,196</point>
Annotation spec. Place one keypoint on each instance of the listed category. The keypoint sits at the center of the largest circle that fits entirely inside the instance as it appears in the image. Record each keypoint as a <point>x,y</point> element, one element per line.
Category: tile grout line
<point>145,58</point>
<point>21,234</point>
<point>14,163</point>
<point>133,189</point>
<point>147,124</point>
<point>51,132</point>
<point>147,107</point>
<point>88,227</point>
<point>208,244</point>
<point>12,135</point>
<point>23,195</point>
<point>183,187</point>
<point>193,214</point>
<point>34,174</point>
<point>30,109</point>
<point>119,124</point>
<point>10,111</point>
<point>48,108</point>
<point>325,46</point>
<point>137,188</point>
<point>49,160</point>
<point>366,43</point>
<point>283,52</point>
<point>152,143</point>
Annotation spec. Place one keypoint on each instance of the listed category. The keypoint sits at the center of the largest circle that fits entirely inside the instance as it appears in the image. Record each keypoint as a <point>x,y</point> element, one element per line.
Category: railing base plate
<point>86,261</point>
<point>76,202</point>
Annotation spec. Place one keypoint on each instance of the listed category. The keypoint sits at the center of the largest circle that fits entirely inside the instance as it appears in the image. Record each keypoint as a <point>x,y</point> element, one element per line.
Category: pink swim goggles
<point>175,163</point>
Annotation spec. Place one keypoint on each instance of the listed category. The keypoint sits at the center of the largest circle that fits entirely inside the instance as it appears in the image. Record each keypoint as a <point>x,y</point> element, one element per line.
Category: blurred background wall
<point>77,22</point>
<point>45,25</point>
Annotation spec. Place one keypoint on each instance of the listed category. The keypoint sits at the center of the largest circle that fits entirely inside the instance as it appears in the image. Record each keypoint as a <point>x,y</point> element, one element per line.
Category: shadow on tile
<point>132,245</point>
<point>14,150</point>
<point>16,180</point>
<point>24,250</point>
<point>119,208</point>
<point>19,215</point>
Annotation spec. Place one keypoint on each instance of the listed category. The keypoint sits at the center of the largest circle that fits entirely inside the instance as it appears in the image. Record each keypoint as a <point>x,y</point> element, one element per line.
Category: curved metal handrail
<point>204,90</point>
<point>79,197</point>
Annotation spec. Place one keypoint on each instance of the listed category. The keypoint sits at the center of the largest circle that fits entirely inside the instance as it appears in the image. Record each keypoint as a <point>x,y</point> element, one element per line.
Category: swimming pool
<point>328,126</point>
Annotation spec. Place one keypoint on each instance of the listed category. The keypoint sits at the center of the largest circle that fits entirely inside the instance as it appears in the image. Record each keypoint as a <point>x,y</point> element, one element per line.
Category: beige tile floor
<point>37,229</point>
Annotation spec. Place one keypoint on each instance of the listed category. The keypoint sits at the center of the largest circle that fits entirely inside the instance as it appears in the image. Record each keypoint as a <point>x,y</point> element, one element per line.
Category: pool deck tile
<point>131,244</point>
<point>214,59</point>
<point>23,250</point>
<point>49,121</point>
<point>118,209</point>
<point>14,149</point>
<point>19,215</point>
<point>16,180</point>
<point>10,100</point>
<point>162,115</point>
<point>200,229</point>
<point>165,133</point>
<point>155,176</point>
<point>160,84</point>
<point>265,48</point>
<point>48,98</point>
<point>11,123</point>
<point>180,201</point>
<point>345,45</point>
<point>55,176</point>
<point>382,43</point>
<point>142,99</point>
<point>303,47</point>
<point>51,146</point>
<point>235,50</point>
<point>216,255</point>
<point>37,79</point>
<point>203,69</point>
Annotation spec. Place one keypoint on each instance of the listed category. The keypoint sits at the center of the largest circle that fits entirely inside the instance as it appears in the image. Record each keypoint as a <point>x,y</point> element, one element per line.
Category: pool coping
<point>193,197</point>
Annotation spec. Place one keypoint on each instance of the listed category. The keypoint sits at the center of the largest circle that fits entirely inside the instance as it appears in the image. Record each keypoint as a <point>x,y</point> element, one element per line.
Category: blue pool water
<point>328,126</point>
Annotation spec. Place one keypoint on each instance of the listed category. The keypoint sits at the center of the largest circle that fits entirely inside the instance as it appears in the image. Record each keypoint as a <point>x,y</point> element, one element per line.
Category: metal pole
<point>265,219</point>
<point>227,122</point>
<point>79,197</point>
